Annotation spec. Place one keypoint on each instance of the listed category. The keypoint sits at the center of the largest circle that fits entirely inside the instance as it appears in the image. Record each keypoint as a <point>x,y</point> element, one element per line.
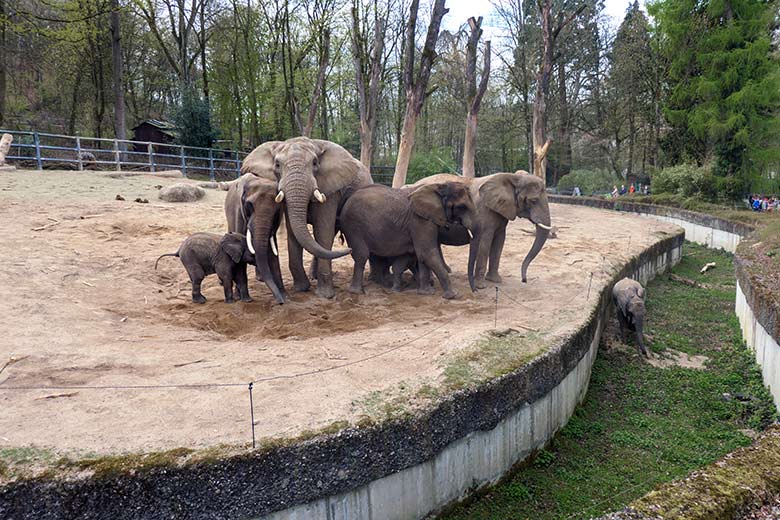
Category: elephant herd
<point>320,183</point>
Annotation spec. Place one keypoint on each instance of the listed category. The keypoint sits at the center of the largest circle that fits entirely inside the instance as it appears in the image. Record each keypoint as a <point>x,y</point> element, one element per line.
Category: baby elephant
<point>629,298</point>
<point>207,253</point>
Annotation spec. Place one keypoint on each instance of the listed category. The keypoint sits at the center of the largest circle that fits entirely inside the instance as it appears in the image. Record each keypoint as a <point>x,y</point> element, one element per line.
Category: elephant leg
<point>242,284</point>
<point>196,277</point>
<point>276,272</point>
<point>359,255</point>
<point>227,285</point>
<point>424,285</point>
<point>436,264</point>
<point>324,233</point>
<point>495,255</point>
<point>379,270</point>
<point>441,255</point>
<point>623,325</point>
<point>483,252</point>
<point>399,266</point>
<point>295,261</point>
<point>313,268</point>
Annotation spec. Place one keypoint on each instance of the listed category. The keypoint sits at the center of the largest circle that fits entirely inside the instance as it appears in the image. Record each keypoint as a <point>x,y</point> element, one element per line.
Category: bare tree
<point>550,35</point>
<point>319,86</point>
<point>416,88</point>
<point>474,94</point>
<point>369,63</point>
<point>120,130</point>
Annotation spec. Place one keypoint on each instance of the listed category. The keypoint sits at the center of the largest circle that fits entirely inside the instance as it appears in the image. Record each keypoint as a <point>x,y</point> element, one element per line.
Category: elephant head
<point>235,247</point>
<point>261,214</point>
<point>449,203</point>
<point>520,195</point>
<point>307,170</point>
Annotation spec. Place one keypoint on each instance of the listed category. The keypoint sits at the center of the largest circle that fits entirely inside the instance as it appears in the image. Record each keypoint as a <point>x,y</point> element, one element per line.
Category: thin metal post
<point>78,153</point>
<point>211,164</point>
<point>252,414</point>
<point>38,159</point>
<point>495,314</point>
<point>183,163</point>
<point>116,156</point>
<point>238,166</point>
<point>150,148</point>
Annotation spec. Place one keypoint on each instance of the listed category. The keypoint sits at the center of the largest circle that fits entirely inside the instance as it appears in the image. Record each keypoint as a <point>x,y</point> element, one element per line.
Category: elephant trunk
<point>473,250</point>
<point>297,195</point>
<point>541,238</point>
<point>261,242</point>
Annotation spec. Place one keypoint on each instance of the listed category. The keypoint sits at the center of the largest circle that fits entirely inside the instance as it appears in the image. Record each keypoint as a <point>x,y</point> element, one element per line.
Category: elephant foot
<point>200,299</point>
<point>325,291</point>
<point>448,268</point>
<point>494,277</point>
<point>302,286</point>
<point>449,295</point>
<point>426,290</point>
<point>355,290</point>
<point>396,288</point>
<point>247,299</point>
<point>480,283</point>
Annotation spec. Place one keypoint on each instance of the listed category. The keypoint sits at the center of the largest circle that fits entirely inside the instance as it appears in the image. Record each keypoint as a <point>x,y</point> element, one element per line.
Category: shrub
<point>193,120</point>
<point>730,188</point>
<point>589,181</point>
<point>425,164</point>
<point>686,180</point>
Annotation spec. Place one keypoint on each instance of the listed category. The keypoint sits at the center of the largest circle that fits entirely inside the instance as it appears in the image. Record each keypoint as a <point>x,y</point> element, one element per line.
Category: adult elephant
<point>499,198</point>
<point>315,178</point>
<point>251,209</point>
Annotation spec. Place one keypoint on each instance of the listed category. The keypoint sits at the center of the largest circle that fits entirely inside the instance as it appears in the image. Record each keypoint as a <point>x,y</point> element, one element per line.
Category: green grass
<point>641,425</point>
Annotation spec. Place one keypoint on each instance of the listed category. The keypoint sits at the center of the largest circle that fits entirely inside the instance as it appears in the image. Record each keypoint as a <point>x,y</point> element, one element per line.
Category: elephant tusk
<point>548,228</point>
<point>249,241</point>
<point>273,246</point>
<point>471,237</point>
<point>319,196</point>
<point>279,196</point>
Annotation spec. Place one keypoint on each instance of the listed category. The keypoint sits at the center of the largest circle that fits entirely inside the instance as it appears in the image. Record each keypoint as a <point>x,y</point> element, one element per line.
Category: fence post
<point>183,163</point>
<point>211,164</point>
<point>238,166</point>
<point>116,156</point>
<point>78,153</point>
<point>150,147</point>
<point>38,159</point>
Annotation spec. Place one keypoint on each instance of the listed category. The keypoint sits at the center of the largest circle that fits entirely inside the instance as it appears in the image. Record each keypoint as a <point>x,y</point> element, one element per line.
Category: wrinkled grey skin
<point>499,198</point>
<point>629,298</point>
<point>203,254</point>
<point>390,223</point>
<point>250,204</point>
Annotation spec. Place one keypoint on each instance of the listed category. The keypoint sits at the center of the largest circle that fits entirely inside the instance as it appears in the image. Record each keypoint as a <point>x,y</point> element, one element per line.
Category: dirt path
<point>83,306</point>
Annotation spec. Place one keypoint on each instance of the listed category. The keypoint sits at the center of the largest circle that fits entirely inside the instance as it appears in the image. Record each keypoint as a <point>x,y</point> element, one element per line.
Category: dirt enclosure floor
<point>83,307</point>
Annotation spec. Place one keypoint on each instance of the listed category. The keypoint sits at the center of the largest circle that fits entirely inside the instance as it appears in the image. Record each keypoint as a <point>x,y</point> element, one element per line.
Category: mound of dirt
<point>181,192</point>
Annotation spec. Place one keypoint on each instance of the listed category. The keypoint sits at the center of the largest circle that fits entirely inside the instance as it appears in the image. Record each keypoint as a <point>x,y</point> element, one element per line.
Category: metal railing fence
<point>54,151</point>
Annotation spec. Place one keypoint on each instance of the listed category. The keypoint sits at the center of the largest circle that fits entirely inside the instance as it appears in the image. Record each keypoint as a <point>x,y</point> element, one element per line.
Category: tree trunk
<point>474,94</point>
<point>203,50</point>
<point>405,145</point>
<point>540,142</point>
<point>3,62</point>
<point>116,57</point>
<point>320,85</point>
<point>416,90</point>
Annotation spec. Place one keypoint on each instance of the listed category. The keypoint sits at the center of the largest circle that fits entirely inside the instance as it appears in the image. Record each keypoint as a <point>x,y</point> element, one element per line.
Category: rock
<point>141,201</point>
<point>119,197</point>
<point>181,192</point>
<point>5,147</point>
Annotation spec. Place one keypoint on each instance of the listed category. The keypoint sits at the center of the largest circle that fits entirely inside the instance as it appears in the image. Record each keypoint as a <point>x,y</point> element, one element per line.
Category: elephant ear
<point>427,203</point>
<point>233,245</point>
<point>640,292</point>
<point>499,195</point>
<point>260,161</point>
<point>338,169</point>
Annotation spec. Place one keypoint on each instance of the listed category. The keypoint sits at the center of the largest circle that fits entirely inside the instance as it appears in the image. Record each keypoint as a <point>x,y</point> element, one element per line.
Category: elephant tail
<point>176,254</point>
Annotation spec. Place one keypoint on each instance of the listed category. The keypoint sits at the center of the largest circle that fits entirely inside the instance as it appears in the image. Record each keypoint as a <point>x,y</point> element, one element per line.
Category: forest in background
<point>693,84</point>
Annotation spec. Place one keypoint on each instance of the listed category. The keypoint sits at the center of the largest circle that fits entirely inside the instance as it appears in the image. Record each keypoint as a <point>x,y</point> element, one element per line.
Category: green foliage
<point>193,120</point>
<point>686,180</point>
<point>426,163</point>
<point>725,84</point>
<point>589,181</point>
<point>641,425</point>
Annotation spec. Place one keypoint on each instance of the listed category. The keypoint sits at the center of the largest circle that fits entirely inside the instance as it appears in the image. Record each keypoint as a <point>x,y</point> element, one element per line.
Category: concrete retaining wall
<point>481,458</point>
<point>758,318</point>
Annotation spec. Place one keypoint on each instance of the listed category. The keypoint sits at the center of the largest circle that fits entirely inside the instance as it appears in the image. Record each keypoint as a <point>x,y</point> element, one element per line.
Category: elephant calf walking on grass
<point>629,298</point>
<point>207,253</point>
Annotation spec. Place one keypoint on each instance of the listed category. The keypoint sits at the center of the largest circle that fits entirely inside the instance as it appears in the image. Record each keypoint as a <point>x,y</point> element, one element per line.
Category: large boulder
<point>181,192</point>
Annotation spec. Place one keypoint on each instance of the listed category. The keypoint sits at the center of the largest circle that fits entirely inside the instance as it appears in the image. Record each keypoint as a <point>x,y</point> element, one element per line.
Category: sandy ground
<point>83,306</point>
